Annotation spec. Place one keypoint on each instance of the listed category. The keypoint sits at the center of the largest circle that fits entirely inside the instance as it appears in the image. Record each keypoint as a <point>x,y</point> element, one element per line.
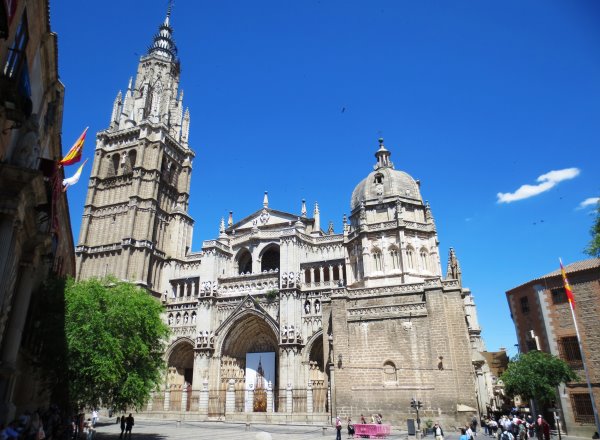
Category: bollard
<point>247,426</point>
<point>178,423</point>
<point>324,431</point>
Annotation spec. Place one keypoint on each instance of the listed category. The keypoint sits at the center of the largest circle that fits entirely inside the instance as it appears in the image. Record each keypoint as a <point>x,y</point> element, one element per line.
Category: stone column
<point>184,397</point>
<point>341,273</point>
<point>288,399</point>
<point>330,274</point>
<point>312,276</point>
<point>230,397</point>
<point>270,397</point>
<point>167,402</point>
<point>321,273</point>
<point>249,407</point>
<point>203,403</point>
<point>309,397</point>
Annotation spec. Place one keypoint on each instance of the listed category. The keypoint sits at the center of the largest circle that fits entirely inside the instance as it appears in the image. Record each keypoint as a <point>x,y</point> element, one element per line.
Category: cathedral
<point>350,323</point>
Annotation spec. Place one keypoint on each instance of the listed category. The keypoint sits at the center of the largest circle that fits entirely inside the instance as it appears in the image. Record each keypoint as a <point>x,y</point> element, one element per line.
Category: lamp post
<point>417,405</point>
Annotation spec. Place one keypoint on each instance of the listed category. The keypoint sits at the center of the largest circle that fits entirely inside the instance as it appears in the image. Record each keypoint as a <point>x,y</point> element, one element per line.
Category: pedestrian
<point>543,429</point>
<point>122,425</point>
<point>94,417</point>
<point>469,432</point>
<point>379,419</point>
<point>474,425</point>
<point>362,420</point>
<point>350,428</point>
<point>129,424</point>
<point>338,428</point>
<point>438,432</point>
<point>506,435</point>
<point>463,434</point>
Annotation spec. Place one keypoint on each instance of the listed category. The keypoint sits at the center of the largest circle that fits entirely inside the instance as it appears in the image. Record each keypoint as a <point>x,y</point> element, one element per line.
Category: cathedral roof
<point>384,181</point>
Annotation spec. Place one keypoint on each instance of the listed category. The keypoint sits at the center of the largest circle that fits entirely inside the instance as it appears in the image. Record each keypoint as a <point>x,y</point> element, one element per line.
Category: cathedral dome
<point>385,182</point>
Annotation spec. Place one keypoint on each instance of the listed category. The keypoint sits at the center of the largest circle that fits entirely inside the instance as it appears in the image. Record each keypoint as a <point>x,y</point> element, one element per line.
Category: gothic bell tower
<point>136,211</point>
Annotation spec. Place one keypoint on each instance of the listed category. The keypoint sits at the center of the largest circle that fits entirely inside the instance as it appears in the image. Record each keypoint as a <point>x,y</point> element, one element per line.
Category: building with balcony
<point>35,231</point>
<point>543,321</point>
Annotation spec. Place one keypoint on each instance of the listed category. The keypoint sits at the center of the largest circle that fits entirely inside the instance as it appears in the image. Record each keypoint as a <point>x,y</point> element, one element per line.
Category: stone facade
<point>543,321</point>
<point>35,230</point>
<point>360,321</point>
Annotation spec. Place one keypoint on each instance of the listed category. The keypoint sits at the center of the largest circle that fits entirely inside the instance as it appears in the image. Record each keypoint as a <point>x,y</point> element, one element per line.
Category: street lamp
<point>417,405</point>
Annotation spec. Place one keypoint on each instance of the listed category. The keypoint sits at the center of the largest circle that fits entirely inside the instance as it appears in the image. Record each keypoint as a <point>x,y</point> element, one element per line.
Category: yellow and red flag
<point>74,154</point>
<point>568,289</point>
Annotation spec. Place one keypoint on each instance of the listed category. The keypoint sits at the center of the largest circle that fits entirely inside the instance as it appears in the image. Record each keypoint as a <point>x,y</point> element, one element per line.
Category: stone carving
<point>205,339</point>
<point>394,310</point>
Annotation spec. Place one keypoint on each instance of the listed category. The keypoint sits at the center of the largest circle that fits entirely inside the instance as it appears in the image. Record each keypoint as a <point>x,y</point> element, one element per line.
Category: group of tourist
<point>54,424</point>
<point>375,418</point>
<point>509,427</point>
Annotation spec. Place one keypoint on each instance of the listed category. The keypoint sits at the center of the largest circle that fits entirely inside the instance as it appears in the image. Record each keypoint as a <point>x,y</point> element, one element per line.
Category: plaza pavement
<point>171,430</point>
<point>146,429</point>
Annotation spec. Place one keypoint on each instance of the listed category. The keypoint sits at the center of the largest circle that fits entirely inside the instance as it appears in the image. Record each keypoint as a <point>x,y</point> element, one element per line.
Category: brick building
<point>35,230</point>
<point>543,321</point>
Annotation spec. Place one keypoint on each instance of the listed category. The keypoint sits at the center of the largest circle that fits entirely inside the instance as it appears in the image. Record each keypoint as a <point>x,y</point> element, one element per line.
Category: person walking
<point>129,425</point>
<point>94,417</point>
<point>438,432</point>
<point>338,428</point>
<point>350,428</point>
<point>122,420</point>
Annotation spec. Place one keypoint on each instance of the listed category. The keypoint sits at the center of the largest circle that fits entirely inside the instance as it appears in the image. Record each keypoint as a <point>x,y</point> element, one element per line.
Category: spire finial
<point>303,210</point>
<point>266,200</point>
<point>230,220</point>
<point>383,156</point>
<point>222,226</point>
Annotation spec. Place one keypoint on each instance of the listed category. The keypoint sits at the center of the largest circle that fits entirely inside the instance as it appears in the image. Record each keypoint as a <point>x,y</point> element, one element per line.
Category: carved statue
<point>186,318</point>
<point>170,319</point>
<point>307,307</point>
<point>206,337</point>
<point>291,333</point>
<point>211,340</point>
<point>317,306</point>
<point>284,333</point>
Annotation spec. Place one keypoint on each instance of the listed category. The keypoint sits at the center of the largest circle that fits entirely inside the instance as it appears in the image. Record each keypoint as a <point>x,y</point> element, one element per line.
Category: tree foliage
<point>593,248</point>
<point>535,375</point>
<point>116,340</point>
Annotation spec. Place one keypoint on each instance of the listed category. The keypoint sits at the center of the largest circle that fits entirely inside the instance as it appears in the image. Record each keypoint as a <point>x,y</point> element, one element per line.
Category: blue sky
<point>475,99</point>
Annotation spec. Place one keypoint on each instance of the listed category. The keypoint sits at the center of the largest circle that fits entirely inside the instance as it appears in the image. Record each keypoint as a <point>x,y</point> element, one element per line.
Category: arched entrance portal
<point>249,358</point>
<point>317,375</point>
<point>180,373</point>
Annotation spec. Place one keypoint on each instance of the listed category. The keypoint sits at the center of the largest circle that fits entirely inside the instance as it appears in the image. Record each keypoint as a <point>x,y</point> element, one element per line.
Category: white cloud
<point>590,201</point>
<point>546,182</point>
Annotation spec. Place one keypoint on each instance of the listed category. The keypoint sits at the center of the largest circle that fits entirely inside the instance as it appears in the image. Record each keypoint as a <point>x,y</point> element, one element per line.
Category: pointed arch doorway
<point>249,358</point>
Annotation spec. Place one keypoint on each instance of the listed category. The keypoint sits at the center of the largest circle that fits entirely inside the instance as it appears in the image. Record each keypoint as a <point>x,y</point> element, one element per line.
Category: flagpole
<point>587,374</point>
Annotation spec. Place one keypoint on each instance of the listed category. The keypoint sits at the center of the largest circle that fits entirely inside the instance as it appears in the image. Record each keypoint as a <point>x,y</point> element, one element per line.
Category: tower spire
<point>163,43</point>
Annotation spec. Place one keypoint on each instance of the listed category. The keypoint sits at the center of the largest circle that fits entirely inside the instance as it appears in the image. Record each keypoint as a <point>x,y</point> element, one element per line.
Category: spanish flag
<point>568,289</point>
<point>74,154</point>
<point>74,178</point>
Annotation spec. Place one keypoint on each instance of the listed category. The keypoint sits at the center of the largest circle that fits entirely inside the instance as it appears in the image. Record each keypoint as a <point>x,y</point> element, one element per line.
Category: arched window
<point>115,164</point>
<point>394,257</point>
<point>410,257</point>
<point>377,260</point>
<point>390,374</point>
<point>270,258</point>
<point>424,259</point>
<point>244,261</point>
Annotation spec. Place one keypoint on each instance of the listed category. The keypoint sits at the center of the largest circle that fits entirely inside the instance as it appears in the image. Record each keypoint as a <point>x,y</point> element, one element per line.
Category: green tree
<point>593,248</point>
<point>115,341</point>
<point>535,375</point>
